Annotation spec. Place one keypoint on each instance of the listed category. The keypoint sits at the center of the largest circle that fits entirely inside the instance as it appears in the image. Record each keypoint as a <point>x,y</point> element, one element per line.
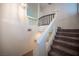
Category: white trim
<point>42,46</point>
<point>45,32</point>
<point>31,17</point>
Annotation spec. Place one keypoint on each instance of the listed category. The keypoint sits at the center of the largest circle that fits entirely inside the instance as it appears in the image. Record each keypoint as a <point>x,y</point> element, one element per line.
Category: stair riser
<point>66,45</point>
<point>68,34</point>
<point>49,54</point>
<point>67,39</point>
<point>69,30</point>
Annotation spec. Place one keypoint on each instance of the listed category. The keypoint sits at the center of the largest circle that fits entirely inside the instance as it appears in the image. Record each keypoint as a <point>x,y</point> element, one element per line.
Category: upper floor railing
<point>46,19</point>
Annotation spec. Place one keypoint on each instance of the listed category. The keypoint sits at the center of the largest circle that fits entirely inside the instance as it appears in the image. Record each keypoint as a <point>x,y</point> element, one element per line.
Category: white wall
<point>78,7</point>
<point>66,14</point>
<point>32,11</point>
<point>15,37</point>
<point>46,9</point>
<point>0,31</point>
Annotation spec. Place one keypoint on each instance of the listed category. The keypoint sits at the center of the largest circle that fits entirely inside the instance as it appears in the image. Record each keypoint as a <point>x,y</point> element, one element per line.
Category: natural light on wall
<point>22,12</point>
<point>37,35</point>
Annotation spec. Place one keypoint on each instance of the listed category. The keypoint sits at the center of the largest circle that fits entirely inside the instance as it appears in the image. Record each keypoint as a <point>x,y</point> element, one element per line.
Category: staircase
<point>66,43</point>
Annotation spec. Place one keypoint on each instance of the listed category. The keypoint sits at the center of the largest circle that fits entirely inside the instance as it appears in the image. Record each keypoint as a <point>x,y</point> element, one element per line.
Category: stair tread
<point>68,43</point>
<point>75,38</point>
<point>54,53</point>
<point>69,51</point>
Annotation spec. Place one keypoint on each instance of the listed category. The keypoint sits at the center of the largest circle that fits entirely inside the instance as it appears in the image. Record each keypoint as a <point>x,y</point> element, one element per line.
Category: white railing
<point>44,41</point>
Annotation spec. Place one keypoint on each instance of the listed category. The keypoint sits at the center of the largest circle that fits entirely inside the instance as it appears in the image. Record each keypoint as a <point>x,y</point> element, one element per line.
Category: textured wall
<point>15,37</point>
<point>66,14</point>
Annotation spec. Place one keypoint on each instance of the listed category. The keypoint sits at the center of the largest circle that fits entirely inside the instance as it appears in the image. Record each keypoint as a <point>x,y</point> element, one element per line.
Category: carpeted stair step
<point>65,50</point>
<point>69,30</point>
<point>71,34</point>
<point>70,45</point>
<point>53,53</point>
<point>66,43</point>
<point>67,38</point>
